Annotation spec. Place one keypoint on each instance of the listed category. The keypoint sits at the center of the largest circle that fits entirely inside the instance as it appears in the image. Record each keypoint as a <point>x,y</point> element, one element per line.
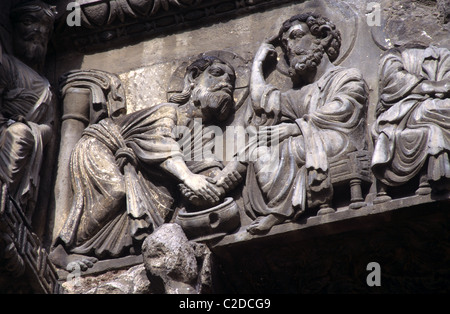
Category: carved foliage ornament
<point>96,13</point>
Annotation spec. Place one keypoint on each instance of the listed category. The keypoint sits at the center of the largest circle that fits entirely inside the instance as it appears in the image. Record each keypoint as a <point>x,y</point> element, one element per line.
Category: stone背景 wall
<point>360,159</point>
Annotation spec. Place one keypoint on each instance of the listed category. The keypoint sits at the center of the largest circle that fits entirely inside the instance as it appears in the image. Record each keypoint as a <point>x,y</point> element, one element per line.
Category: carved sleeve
<point>395,81</point>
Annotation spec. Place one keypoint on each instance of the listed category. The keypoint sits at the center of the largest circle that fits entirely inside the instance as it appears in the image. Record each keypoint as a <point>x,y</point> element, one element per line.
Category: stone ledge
<point>104,266</point>
<point>342,220</point>
<point>409,239</point>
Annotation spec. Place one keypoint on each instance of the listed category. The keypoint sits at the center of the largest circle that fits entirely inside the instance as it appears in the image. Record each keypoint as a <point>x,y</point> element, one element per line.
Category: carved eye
<point>296,34</point>
<point>216,71</point>
<point>27,20</point>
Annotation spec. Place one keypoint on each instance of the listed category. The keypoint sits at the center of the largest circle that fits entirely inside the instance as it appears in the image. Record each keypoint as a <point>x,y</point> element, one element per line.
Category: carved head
<point>32,28</point>
<point>305,38</point>
<point>209,84</point>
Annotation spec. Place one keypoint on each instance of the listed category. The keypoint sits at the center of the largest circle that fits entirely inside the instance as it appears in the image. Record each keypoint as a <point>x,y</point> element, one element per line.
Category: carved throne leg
<point>356,199</point>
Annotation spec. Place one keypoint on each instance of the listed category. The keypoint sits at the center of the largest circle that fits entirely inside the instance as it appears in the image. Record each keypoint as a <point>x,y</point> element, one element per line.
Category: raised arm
<point>258,83</point>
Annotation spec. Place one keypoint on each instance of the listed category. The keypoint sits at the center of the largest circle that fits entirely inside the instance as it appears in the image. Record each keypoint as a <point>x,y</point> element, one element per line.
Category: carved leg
<point>382,195</point>
<point>356,199</point>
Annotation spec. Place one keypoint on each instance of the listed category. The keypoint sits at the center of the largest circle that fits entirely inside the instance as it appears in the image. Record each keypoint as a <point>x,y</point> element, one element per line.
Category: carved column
<point>76,107</point>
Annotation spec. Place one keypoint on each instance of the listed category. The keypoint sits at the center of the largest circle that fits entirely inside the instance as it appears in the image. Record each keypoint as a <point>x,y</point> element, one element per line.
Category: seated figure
<point>412,127</point>
<point>321,118</point>
<point>26,105</point>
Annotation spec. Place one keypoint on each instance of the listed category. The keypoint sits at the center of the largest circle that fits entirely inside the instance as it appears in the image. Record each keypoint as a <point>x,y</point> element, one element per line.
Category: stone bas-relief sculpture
<point>27,104</point>
<point>125,169</point>
<point>27,142</point>
<point>126,182</point>
<point>320,120</point>
<point>412,129</point>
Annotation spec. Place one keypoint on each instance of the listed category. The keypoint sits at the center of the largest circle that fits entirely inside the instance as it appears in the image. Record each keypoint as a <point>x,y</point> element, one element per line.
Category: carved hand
<point>201,186</point>
<point>265,50</point>
<point>279,132</point>
<point>228,180</point>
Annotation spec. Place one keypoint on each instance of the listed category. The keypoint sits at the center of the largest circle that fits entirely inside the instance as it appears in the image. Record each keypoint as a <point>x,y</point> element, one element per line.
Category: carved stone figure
<point>26,104</point>
<point>412,129</point>
<point>125,169</point>
<point>319,121</point>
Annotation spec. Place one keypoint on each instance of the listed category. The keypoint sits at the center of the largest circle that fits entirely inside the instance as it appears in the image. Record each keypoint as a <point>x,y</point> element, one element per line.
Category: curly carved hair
<point>320,27</point>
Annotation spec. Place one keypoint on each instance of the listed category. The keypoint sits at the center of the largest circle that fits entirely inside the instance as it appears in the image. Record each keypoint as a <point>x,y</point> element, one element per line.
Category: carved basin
<point>210,223</point>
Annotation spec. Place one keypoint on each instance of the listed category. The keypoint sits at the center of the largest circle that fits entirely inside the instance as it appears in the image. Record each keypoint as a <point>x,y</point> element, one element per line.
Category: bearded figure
<point>319,120</point>
<point>126,169</point>
<point>26,105</point>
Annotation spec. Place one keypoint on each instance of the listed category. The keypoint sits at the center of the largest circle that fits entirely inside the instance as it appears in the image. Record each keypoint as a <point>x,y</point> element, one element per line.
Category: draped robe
<point>292,176</point>
<point>112,210</point>
<point>26,102</point>
<point>411,128</point>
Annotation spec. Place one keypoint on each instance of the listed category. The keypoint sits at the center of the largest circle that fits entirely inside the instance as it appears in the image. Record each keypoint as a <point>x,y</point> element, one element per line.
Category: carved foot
<point>357,205</point>
<point>69,262</point>
<point>325,209</point>
<point>424,189</point>
<point>382,195</point>
<point>424,185</point>
<point>263,224</point>
<point>382,198</point>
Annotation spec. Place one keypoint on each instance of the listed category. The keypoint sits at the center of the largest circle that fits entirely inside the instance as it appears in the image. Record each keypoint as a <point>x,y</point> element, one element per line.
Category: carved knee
<point>19,136</point>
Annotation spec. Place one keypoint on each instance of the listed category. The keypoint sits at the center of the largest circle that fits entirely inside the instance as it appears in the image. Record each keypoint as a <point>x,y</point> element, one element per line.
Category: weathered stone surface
<point>174,264</point>
<point>131,281</point>
<point>146,46</point>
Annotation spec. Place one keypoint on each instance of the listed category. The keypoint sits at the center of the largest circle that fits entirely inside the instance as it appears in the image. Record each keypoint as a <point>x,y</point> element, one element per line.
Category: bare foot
<point>70,262</point>
<point>263,224</point>
<point>80,262</point>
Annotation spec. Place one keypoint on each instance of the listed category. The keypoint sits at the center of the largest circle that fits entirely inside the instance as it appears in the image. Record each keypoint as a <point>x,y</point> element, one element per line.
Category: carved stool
<point>352,172</point>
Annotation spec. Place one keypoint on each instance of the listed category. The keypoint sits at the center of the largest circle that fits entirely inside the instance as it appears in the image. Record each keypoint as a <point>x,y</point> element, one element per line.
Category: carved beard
<point>31,49</point>
<point>305,61</point>
<point>214,102</point>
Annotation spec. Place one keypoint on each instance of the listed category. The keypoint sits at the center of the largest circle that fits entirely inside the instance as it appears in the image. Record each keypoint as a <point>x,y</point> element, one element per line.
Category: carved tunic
<point>330,115</point>
<point>112,209</point>
<point>25,97</point>
<point>410,126</point>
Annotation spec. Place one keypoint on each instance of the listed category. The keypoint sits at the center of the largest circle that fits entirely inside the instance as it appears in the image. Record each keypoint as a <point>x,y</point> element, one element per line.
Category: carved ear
<point>327,35</point>
<point>189,80</point>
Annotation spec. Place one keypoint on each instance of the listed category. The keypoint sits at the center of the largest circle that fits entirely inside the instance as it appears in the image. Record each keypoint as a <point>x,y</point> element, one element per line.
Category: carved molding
<point>114,22</point>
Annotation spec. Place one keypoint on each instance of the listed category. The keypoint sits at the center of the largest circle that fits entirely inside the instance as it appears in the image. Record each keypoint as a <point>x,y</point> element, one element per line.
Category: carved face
<point>31,36</point>
<point>213,91</point>
<point>304,51</point>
